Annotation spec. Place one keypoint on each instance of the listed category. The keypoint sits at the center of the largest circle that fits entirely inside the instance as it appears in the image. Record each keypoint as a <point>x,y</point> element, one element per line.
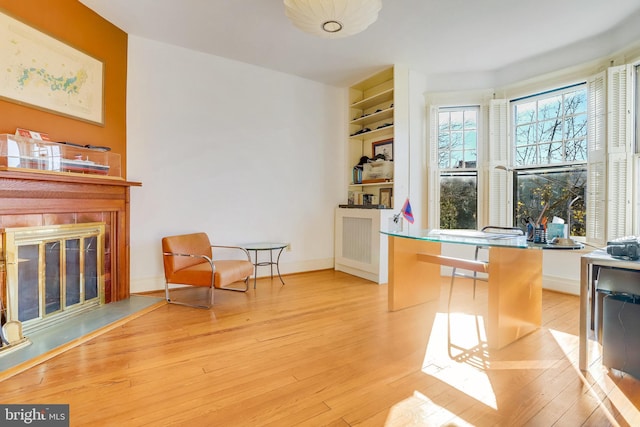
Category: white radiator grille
<point>356,239</point>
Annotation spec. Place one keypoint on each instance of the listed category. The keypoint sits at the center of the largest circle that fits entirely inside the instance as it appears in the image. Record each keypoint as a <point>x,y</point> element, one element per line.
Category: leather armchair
<point>188,260</point>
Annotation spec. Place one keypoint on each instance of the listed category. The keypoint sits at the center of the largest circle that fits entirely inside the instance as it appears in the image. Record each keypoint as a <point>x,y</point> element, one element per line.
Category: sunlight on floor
<point>459,357</point>
<point>604,383</point>
<point>414,410</point>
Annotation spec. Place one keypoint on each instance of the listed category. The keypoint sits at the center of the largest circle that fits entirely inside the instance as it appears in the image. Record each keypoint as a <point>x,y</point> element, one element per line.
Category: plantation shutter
<point>433,171</point>
<point>499,181</point>
<point>619,152</point>
<point>596,160</point>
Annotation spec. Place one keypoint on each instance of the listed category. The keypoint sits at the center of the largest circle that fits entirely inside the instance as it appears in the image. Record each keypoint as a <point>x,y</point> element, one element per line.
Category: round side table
<point>271,247</point>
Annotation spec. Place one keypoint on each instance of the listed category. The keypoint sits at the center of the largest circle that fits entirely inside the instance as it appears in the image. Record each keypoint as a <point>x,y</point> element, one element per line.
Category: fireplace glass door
<point>56,272</point>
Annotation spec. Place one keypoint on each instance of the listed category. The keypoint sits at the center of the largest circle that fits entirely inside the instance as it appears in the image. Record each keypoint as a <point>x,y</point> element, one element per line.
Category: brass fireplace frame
<point>14,237</point>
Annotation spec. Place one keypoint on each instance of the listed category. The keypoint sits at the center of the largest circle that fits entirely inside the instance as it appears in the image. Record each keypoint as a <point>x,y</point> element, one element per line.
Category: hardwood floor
<point>323,350</point>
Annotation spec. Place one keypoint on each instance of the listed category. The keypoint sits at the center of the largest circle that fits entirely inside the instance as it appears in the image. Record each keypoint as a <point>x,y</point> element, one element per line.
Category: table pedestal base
<point>514,284</point>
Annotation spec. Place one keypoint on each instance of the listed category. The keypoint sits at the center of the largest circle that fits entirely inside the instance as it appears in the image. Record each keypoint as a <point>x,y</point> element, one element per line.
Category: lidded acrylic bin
<point>21,153</point>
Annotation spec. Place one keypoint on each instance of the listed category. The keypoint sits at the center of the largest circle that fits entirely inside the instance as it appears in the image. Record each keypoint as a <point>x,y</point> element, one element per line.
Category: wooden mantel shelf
<point>12,173</point>
<point>34,198</point>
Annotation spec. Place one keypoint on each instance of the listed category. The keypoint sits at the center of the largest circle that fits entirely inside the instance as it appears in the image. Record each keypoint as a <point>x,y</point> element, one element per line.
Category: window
<point>551,128</point>
<point>550,157</point>
<point>637,109</point>
<point>552,193</point>
<point>636,225</point>
<point>568,151</point>
<point>457,162</point>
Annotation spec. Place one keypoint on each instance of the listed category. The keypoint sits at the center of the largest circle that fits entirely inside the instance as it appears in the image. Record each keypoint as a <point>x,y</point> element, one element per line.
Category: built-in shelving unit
<point>371,119</point>
<point>360,249</point>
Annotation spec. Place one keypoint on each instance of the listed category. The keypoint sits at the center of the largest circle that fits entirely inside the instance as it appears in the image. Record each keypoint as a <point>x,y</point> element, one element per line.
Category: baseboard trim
<point>561,284</point>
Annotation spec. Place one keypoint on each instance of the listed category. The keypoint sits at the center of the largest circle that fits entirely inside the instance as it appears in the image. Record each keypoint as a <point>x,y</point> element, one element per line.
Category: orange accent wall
<point>78,26</point>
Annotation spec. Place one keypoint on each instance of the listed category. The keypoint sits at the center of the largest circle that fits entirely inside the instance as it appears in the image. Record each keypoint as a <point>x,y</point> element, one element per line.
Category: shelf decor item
<point>386,197</point>
<point>357,175</point>
<point>378,171</point>
<point>384,147</point>
<point>45,73</point>
<point>332,18</point>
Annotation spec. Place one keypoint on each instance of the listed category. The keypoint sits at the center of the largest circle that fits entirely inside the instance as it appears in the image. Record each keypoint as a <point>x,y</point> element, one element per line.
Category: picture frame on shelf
<point>386,197</point>
<point>384,147</point>
<point>351,198</point>
<point>48,74</point>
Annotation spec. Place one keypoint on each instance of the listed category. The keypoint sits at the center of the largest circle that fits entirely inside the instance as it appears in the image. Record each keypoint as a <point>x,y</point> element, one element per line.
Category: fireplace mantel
<point>37,198</point>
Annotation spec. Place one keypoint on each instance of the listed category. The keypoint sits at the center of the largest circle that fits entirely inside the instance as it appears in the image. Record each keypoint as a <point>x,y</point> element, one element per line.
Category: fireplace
<point>52,272</point>
<point>56,199</point>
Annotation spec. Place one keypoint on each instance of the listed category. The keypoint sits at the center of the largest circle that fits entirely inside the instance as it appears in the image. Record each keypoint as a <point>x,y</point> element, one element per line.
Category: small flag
<point>406,211</point>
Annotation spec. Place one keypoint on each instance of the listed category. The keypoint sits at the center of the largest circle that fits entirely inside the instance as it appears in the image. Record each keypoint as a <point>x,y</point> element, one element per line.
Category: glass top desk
<point>514,278</point>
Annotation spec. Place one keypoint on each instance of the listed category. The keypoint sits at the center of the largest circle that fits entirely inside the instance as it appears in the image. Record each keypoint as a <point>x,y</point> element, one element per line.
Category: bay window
<point>565,153</point>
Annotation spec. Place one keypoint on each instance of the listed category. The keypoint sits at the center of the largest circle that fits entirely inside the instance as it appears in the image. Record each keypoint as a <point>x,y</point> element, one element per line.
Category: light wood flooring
<point>323,350</point>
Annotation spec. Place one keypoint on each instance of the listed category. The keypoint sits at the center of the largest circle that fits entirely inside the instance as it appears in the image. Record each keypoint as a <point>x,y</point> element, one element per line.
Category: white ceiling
<point>501,40</point>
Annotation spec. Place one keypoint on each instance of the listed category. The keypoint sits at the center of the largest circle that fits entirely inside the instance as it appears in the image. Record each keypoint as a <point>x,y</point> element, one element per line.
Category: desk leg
<point>515,294</point>
<point>584,291</point>
<point>412,282</point>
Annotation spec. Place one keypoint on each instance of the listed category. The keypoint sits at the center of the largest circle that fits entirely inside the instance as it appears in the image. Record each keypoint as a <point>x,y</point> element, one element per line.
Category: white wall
<point>240,152</point>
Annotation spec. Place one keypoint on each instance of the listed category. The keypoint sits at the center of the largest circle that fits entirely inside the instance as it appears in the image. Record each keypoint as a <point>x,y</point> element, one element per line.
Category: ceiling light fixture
<point>332,18</point>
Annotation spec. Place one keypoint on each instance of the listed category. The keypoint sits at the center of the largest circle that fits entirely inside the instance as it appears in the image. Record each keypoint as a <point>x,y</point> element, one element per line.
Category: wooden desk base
<point>515,286</point>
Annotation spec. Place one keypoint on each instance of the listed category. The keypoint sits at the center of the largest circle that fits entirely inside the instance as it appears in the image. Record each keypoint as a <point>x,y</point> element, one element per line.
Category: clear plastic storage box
<point>18,152</point>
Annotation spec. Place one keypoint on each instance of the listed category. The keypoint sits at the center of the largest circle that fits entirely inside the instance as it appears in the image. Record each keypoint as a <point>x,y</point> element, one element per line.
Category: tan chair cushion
<point>229,271</point>
<point>196,275</point>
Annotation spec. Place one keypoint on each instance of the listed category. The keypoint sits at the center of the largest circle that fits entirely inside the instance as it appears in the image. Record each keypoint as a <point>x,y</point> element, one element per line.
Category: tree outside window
<point>547,194</point>
<point>550,147</point>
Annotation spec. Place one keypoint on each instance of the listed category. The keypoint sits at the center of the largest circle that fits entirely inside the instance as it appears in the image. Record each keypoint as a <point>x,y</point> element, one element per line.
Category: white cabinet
<point>360,249</point>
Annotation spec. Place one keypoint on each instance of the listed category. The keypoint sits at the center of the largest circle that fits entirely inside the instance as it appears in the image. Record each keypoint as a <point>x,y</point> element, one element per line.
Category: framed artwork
<point>43,72</point>
<point>386,197</point>
<point>383,147</point>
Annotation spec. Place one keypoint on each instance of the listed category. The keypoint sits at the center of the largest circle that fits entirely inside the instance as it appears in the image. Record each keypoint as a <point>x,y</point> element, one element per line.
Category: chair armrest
<point>246,252</point>
<point>209,260</point>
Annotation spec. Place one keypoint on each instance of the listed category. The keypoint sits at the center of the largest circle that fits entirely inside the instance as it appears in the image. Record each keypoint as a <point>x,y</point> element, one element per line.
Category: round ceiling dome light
<point>332,18</point>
